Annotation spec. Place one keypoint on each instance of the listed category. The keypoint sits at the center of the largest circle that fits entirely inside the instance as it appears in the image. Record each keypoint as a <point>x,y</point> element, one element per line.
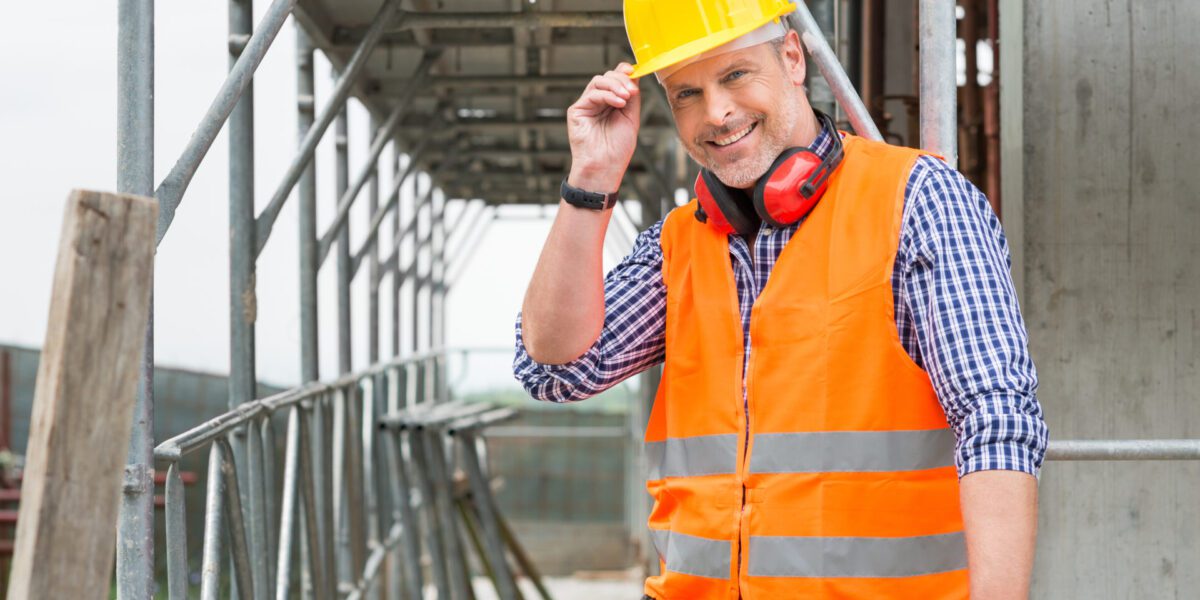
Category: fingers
<point>612,89</point>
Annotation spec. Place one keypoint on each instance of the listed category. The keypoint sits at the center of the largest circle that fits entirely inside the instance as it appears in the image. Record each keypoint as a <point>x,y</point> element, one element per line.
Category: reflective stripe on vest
<point>852,451</point>
<point>692,456</point>
<point>813,452</point>
<point>856,557</point>
<point>692,555</point>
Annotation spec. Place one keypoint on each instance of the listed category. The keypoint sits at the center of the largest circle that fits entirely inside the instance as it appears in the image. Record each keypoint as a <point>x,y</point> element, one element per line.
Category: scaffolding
<point>367,453</point>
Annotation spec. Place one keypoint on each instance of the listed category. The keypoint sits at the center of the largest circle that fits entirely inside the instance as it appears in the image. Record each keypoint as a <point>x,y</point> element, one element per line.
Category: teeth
<point>735,137</point>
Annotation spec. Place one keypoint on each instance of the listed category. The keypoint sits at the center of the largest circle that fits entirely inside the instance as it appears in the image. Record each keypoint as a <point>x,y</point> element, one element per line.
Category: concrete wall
<point>1111,201</point>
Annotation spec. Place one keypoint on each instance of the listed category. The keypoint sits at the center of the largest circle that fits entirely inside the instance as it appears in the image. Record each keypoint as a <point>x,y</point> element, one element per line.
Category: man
<point>848,405</point>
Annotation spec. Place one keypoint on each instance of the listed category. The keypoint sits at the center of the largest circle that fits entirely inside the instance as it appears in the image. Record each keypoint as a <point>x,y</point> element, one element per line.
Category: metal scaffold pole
<point>939,79</point>
<point>246,446</point>
<point>135,175</point>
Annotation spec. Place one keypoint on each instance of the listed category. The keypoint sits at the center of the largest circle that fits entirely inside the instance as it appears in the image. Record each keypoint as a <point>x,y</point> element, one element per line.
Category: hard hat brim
<point>702,45</point>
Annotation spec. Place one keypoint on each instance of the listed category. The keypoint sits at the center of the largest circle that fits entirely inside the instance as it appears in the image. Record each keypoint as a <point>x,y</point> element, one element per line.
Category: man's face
<point>736,112</point>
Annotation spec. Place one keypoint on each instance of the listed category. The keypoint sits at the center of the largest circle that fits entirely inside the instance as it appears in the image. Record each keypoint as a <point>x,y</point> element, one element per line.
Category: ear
<point>793,58</point>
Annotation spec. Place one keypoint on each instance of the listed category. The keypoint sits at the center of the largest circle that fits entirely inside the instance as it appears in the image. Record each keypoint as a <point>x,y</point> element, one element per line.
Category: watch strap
<point>585,199</point>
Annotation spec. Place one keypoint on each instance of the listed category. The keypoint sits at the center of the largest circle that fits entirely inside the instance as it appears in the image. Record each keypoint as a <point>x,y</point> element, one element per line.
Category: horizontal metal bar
<point>344,39</point>
<point>266,219</point>
<point>199,436</point>
<point>443,82</point>
<point>479,20</point>
<point>170,191</point>
<point>1123,450</point>
<point>419,126</point>
<point>426,416</point>
<point>534,432</point>
<point>470,423</point>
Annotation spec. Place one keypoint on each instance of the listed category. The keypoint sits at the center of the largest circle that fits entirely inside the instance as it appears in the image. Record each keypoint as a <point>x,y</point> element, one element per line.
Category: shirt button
<point>768,230</point>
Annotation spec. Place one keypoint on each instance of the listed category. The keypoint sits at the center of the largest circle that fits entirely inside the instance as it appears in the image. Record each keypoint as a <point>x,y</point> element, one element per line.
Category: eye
<point>684,94</point>
<point>734,75</point>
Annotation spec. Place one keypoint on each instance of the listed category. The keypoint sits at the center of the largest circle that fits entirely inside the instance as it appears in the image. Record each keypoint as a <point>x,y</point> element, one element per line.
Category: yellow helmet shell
<point>664,32</point>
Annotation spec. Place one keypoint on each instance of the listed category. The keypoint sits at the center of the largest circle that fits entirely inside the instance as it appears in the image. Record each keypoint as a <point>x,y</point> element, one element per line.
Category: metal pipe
<point>383,134</point>
<point>200,435</point>
<point>970,150</point>
<point>373,266</point>
<point>176,536</point>
<point>239,548</point>
<point>333,107</point>
<point>991,113</point>
<point>355,473</point>
<point>1124,450</point>
<point>392,204</point>
<point>256,515</point>
<point>287,515</point>
<point>494,20</point>
<point>460,581</point>
<point>389,86</point>
<point>338,486</point>
<point>170,191</point>
<point>369,506</point>
<point>401,487</point>
<point>307,194</point>
<point>242,304</point>
<point>939,111</point>
<point>395,271</point>
<point>271,504</point>
<point>506,585</point>
<point>308,490</point>
<point>803,22</point>
<point>325,483</point>
<point>214,517</point>
<point>433,538</point>
<point>342,163</point>
<point>135,175</point>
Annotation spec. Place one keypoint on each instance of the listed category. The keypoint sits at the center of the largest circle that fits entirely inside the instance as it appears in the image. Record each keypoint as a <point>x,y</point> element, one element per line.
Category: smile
<point>735,137</point>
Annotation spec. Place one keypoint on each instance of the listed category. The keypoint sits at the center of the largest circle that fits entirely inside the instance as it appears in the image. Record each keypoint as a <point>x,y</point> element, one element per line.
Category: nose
<point>718,106</point>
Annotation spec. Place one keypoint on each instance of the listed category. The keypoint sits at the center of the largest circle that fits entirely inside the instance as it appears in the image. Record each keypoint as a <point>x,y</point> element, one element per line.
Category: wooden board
<point>83,404</point>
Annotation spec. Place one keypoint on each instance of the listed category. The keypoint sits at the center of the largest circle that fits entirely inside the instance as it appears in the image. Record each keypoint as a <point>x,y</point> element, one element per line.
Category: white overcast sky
<point>58,132</point>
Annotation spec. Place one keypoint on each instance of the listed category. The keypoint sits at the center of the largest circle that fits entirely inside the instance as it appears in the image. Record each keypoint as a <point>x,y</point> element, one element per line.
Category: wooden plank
<point>83,404</point>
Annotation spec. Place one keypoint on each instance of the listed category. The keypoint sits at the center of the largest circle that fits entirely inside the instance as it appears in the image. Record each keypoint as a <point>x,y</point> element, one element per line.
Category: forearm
<point>563,310</point>
<point>999,511</point>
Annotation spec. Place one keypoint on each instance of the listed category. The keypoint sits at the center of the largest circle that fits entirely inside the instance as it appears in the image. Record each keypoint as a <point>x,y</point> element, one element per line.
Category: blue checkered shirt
<point>956,313</point>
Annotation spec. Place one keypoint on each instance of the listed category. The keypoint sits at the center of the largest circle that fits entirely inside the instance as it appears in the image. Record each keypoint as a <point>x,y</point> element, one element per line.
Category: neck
<point>807,128</point>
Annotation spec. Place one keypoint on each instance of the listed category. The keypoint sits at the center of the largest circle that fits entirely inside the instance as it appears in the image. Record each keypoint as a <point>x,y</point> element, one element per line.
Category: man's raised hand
<point>602,126</point>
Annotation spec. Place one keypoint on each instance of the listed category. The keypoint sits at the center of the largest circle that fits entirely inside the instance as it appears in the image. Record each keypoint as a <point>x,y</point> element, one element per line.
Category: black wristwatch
<point>585,199</point>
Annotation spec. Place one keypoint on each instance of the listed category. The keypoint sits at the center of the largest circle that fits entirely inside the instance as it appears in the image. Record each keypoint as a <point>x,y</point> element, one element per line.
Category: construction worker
<point>847,406</point>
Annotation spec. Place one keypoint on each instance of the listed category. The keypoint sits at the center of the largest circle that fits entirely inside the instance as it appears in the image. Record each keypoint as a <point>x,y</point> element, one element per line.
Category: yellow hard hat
<point>665,32</point>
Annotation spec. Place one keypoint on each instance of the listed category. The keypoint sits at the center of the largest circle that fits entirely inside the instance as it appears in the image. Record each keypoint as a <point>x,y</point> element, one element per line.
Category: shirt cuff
<point>567,382</point>
<point>1000,437</point>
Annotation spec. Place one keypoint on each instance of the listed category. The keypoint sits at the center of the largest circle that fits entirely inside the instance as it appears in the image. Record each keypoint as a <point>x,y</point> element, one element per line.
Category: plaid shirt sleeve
<point>963,313</point>
<point>632,340</point>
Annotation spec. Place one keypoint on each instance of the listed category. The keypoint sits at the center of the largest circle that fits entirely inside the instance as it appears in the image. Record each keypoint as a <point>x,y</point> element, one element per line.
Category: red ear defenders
<point>784,194</point>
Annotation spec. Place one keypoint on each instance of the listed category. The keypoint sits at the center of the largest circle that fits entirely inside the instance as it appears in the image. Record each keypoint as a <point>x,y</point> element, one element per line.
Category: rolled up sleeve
<point>968,323</point>
<point>631,341</point>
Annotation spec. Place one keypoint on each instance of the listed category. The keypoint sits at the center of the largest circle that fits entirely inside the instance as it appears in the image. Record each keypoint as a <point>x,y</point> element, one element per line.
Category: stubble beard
<point>744,172</point>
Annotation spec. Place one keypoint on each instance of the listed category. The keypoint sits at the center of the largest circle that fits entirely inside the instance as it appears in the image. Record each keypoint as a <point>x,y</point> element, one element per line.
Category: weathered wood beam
<point>83,404</point>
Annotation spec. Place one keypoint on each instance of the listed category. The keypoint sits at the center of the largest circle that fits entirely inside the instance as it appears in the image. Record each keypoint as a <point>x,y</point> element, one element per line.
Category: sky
<point>58,132</point>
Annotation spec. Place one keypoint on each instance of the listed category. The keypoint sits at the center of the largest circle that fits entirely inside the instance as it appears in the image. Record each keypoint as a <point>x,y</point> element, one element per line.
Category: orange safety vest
<point>835,478</point>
